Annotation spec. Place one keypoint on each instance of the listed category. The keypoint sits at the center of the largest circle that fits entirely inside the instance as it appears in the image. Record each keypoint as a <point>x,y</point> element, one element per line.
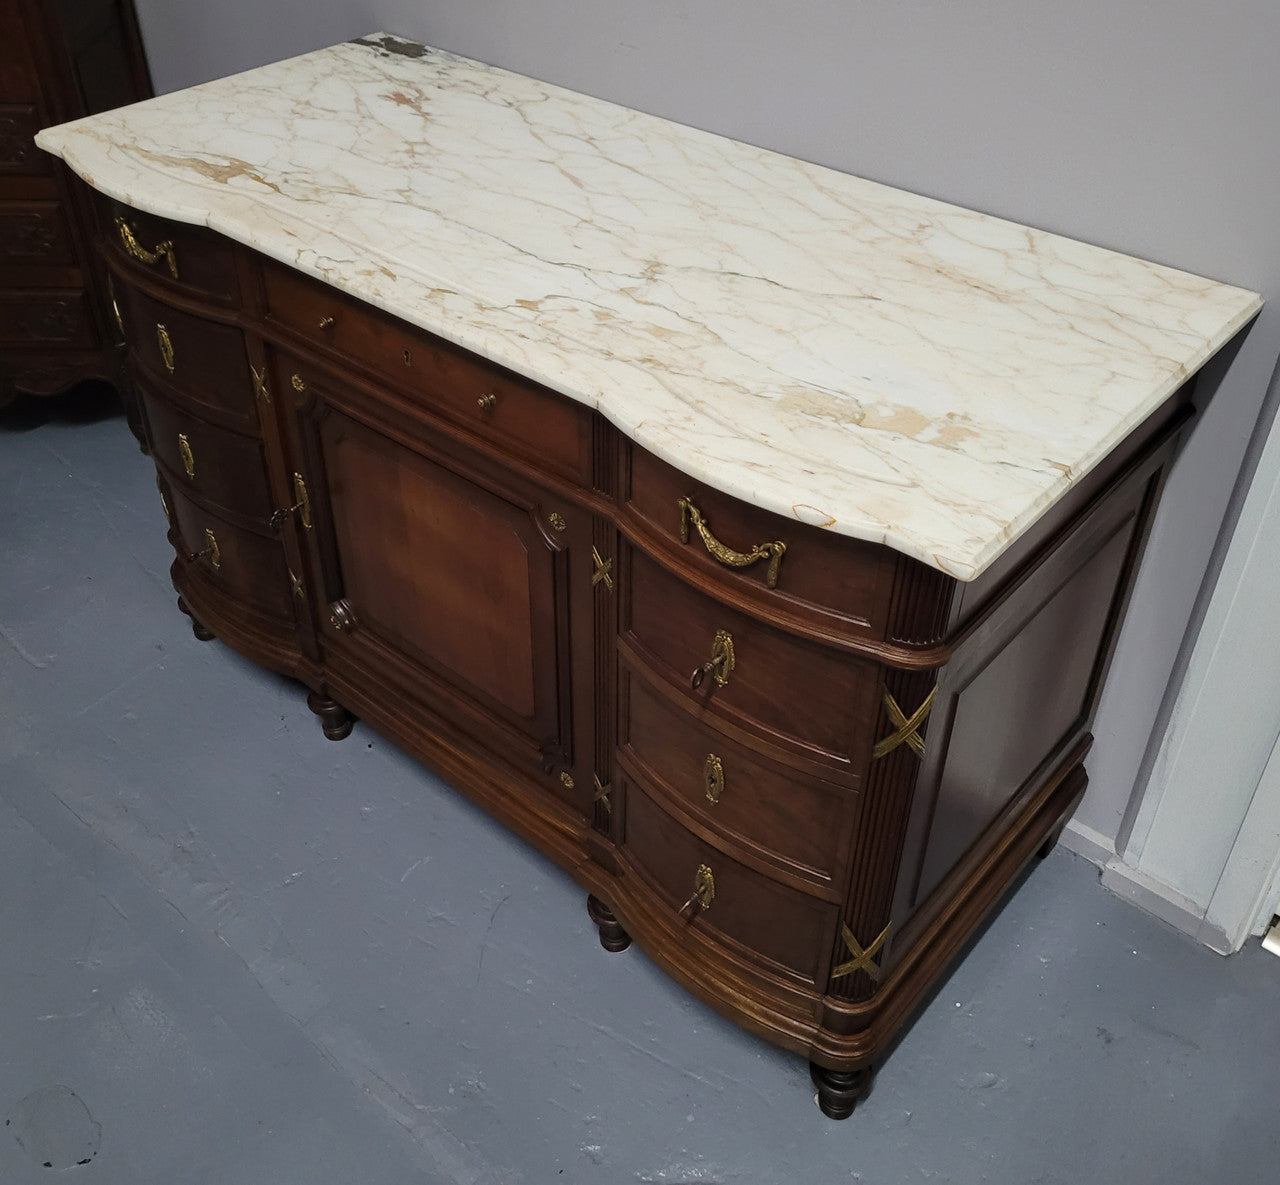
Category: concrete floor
<point>233,952</point>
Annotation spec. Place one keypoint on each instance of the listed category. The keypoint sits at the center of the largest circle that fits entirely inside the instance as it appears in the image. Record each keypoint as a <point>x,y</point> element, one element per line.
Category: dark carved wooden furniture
<point>798,769</point>
<point>59,59</point>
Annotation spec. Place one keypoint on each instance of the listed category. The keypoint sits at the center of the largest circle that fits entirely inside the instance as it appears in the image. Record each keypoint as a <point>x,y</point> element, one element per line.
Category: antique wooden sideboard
<point>792,677</point>
<point>59,59</point>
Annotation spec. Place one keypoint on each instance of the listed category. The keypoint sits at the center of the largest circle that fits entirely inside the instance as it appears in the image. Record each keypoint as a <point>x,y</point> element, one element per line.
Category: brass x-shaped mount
<point>905,727</point>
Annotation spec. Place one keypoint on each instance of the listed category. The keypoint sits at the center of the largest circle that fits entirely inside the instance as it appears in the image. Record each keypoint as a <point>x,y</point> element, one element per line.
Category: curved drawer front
<point>790,691</point>
<point>763,919</point>
<point>203,361</point>
<point>798,824</point>
<point>249,567</point>
<point>220,466</point>
<point>787,562</point>
<point>488,402</point>
<point>183,256</point>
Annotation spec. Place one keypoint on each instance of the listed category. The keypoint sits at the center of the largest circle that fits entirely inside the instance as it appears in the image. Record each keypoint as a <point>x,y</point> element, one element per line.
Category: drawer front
<point>186,256</point>
<point>222,467</point>
<point>760,552</point>
<point>249,567</point>
<point>34,232</point>
<point>801,825</point>
<point>761,917</point>
<point>46,317</point>
<point>790,691</point>
<point>488,402</point>
<point>18,152</point>
<point>203,361</point>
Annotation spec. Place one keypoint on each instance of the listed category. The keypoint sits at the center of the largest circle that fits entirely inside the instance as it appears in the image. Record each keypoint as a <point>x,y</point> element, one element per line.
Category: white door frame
<point>1204,849</point>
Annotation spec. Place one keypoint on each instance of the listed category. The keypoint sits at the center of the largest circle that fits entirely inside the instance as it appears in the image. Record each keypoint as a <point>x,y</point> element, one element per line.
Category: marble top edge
<point>887,395</point>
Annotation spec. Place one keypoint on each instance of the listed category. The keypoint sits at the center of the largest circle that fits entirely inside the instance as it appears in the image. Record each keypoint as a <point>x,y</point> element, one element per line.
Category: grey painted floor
<point>234,952</point>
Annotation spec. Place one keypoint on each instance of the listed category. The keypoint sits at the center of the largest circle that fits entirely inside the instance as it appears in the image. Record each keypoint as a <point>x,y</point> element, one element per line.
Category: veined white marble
<point>881,364</point>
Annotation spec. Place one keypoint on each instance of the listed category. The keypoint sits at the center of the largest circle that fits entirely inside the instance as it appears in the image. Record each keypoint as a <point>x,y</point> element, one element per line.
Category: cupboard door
<point>446,584</point>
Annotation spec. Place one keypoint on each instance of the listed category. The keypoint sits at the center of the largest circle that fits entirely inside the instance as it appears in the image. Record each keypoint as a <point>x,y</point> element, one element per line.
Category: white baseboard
<point>1166,903</point>
<point>1084,841</point>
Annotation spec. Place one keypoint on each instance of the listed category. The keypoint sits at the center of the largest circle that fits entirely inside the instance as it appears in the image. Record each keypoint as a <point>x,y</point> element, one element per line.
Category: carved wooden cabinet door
<point>443,583</point>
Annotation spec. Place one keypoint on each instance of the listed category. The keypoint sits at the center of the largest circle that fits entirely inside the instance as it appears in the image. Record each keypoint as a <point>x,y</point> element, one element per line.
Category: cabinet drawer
<point>203,361</point>
<point>34,232</point>
<point>46,317</point>
<point>798,824</point>
<point>485,400</point>
<point>186,256</point>
<point>250,568</point>
<point>784,688</point>
<point>222,467</point>
<point>847,578</point>
<point>761,917</point>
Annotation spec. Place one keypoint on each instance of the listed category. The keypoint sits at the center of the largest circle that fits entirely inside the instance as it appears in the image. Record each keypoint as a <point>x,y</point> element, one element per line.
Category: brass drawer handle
<point>302,507</point>
<point>115,307</point>
<point>704,893</point>
<point>188,458</point>
<point>713,777</point>
<point>164,503</point>
<point>164,250</point>
<point>487,402</point>
<point>719,665</point>
<point>166,347</point>
<point>211,550</point>
<point>326,323</point>
<point>773,552</point>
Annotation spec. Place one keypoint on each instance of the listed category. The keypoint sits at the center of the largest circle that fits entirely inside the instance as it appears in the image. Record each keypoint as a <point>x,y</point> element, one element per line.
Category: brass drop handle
<point>164,250</point>
<point>719,665</point>
<point>704,893</point>
<point>165,343</point>
<point>188,457</point>
<point>773,551</point>
<point>211,551</point>
<point>302,507</point>
<point>487,402</point>
<point>326,323</point>
<point>713,777</point>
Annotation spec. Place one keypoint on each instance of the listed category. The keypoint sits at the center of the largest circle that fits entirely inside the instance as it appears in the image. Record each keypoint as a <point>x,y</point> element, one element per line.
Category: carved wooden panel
<point>34,232</point>
<point>45,318</point>
<point>18,152</point>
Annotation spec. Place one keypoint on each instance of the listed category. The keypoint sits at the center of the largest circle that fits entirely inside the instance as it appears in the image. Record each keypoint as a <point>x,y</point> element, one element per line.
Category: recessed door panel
<point>437,566</point>
<point>439,582</point>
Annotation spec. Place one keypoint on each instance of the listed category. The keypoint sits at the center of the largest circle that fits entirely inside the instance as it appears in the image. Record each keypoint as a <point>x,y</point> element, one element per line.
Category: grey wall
<point>1146,127</point>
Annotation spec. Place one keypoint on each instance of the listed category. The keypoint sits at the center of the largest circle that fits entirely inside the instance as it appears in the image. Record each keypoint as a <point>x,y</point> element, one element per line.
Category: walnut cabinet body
<point>797,768</point>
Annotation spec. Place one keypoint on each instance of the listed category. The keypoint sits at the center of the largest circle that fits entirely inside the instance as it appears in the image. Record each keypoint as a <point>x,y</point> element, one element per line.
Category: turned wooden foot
<point>612,936</point>
<point>335,720</point>
<point>201,631</point>
<point>1051,841</point>
<point>840,1091</point>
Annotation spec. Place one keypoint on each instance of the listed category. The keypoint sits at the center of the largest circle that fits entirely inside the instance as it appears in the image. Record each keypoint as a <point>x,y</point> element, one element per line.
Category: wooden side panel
<point>1007,716</point>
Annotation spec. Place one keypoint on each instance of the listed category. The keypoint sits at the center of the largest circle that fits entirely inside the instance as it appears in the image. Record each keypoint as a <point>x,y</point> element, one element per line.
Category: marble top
<point>880,364</point>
